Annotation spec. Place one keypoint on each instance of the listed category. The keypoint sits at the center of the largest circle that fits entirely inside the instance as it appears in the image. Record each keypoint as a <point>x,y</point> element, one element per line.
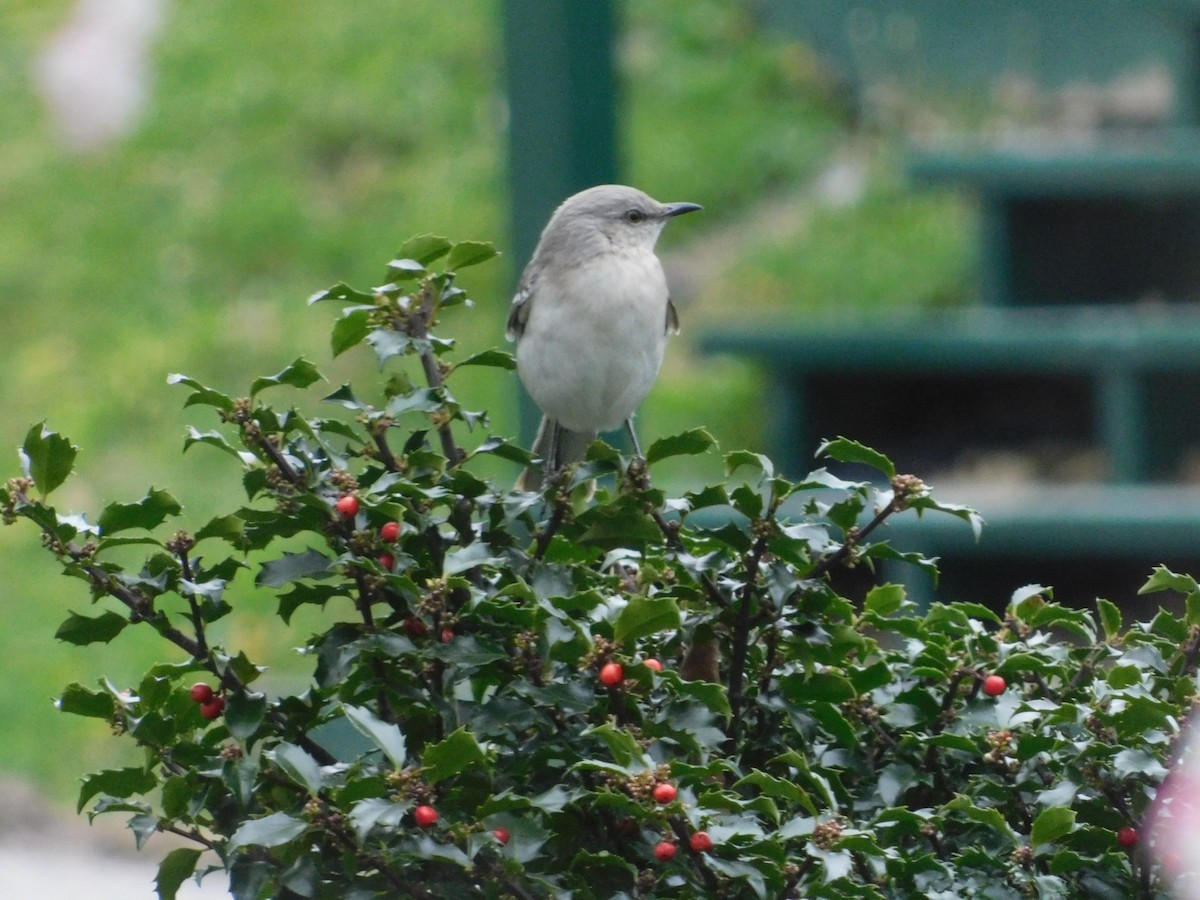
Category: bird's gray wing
<point>672,324</point>
<point>518,314</point>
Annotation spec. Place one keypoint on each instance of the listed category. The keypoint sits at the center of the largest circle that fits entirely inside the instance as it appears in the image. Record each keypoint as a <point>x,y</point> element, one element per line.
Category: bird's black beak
<point>678,209</point>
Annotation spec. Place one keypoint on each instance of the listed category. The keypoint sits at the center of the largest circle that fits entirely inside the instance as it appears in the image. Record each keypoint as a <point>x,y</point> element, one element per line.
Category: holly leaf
<point>176,868</point>
<point>1052,824</point>
<point>81,701</point>
<point>82,630</point>
<point>1110,618</point>
<point>848,451</point>
<point>350,330</point>
<point>299,766</point>
<point>47,458</point>
<point>300,374</point>
<point>456,753</point>
<point>201,394</point>
<point>644,616</point>
<point>147,513</point>
<point>424,248</point>
<point>292,567</point>
<point>689,443</point>
<point>116,783</point>
<point>469,253</point>
<point>269,831</point>
<point>387,737</point>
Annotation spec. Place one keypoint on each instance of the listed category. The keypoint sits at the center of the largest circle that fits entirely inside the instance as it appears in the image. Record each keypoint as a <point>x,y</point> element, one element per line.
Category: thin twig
<point>854,539</point>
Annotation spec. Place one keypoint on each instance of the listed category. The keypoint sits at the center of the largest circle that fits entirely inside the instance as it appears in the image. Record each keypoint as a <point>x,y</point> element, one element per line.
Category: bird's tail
<point>556,447</point>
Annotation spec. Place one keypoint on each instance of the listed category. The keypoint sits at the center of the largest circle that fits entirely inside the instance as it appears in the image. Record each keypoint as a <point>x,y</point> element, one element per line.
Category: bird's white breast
<point>594,340</point>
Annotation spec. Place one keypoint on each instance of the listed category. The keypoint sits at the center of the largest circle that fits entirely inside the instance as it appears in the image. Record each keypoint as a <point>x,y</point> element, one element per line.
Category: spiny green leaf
<point>300,374</point>
<point>116,783</point>
<point>498,359</point>
<point>229,528</point>
<point>374,811</point>
<point>148,513</point>
<point>1052,824</point>
<point>424,248</point>
<point>82,630</point>
<point>884,600</point>
<point>689,443</point>
<point>621,744</point>
<point>292,567</point>
<point>458,752</point>
<point>81,701</point>
<point>299,766</point>
<point>244,714</point>
<point>177,867</point>
<point>47,458</point>
<point>469,253</point>
<point>848,451</point>
<point>212,439</point>
<point>269,831</point>
<point>350,330</point>
<point>1163,579</point>
<point>387,737</point>
<point>739,458</point>
<point>462,559</point>
<point>644,616</point>
<point>202,395</point>
<point>342,291</point>
<point>1110,618</point>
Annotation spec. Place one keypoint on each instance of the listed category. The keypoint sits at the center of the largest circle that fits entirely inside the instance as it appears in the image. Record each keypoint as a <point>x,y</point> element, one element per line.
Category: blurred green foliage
<point>288,146</point>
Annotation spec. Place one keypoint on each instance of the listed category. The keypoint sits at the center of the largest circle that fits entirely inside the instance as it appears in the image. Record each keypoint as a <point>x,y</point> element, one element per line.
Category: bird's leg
<point>638,472</point>
<point>553,461</point>
<point>637,449</point>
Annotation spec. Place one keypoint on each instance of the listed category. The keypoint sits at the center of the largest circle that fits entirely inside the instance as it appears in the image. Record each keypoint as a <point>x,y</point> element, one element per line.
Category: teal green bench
<point>1102,219</point>
<point>1123,380</point>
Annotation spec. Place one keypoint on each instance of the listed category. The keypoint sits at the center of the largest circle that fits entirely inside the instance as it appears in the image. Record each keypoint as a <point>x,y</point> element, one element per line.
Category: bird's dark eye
<point>633,216</point>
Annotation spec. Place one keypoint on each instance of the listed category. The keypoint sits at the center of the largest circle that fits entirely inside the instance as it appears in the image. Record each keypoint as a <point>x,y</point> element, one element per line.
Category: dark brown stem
<point>191,834</point>
<point>855,539</point>
<point>741,640</point>
<point>279,460</point>
<point>384,449</point>
<point>193,606</point>
<point>1191,654</point>
<point>542,541</point>
<point>417,326</point>
<point>395,879</point>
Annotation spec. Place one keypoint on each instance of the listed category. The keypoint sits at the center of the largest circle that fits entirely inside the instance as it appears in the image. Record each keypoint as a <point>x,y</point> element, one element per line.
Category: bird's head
<point>621,217</point>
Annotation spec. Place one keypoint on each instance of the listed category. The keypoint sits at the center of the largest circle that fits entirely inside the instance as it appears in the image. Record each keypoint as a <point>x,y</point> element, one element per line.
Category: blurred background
<point>942,228</point>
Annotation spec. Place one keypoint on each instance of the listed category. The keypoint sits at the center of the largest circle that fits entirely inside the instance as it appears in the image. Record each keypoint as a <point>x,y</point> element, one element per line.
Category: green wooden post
<point>562,133</point>
<point>1122,424</point>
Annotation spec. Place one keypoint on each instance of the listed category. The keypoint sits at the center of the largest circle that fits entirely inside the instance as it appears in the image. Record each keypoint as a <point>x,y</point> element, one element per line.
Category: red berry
<point>425,815</point>
<point>212,708</point>
<point>387,561</point>
<point>415,627</point>
<point>664,850</point>
<point>447,635</point>
<point>201,692</point>
<point>994,685</point>
<point>611,674</point>
<point>664,792</point>
<point>1127,837</point>
<point>501,835</point>
<point>701,842</point>
<point>653,663</point>
<point>347,506</point>
<point>390,532</point>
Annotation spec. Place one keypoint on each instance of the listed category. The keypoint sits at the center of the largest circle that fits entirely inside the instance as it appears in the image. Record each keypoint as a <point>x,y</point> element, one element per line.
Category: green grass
<point>293,145</point>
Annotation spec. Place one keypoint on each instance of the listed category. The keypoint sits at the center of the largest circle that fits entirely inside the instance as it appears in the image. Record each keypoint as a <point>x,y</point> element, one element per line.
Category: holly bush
<point>591,691</point>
